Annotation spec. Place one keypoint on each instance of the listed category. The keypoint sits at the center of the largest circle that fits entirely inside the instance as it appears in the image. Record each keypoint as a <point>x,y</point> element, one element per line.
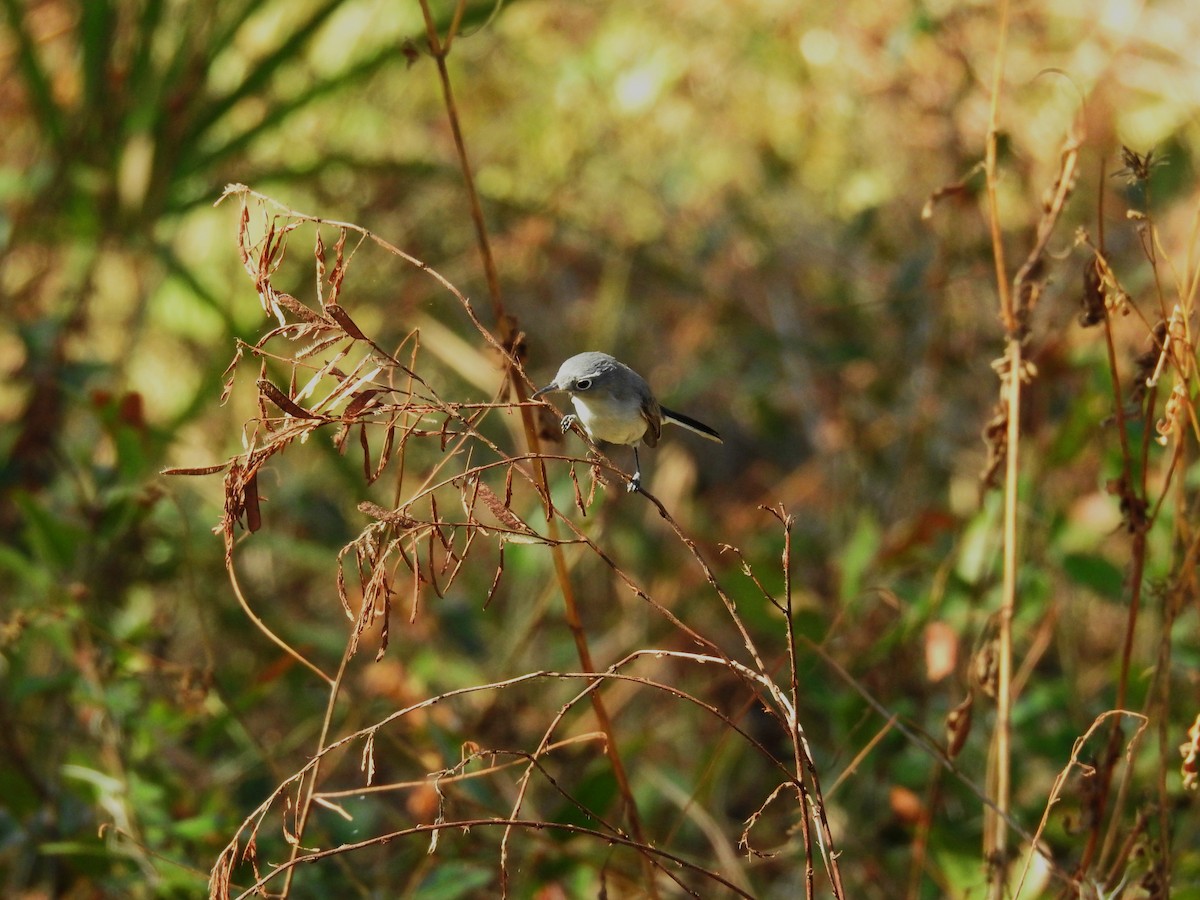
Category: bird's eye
<point>583,384</point>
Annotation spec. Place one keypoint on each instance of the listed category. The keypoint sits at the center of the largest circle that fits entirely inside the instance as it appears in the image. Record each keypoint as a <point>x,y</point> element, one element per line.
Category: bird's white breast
<point>607,419</point>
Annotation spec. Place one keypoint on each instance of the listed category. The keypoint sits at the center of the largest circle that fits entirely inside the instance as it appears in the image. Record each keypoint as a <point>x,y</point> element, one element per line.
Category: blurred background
<point>729,197</point>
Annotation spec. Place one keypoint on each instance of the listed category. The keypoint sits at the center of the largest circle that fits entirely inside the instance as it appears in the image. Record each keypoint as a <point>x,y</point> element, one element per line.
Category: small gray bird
<point>614,404</point>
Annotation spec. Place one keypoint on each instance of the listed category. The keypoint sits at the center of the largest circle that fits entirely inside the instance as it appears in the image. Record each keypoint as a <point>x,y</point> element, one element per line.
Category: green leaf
<point>96,28</point>
<point>54,540</point>
<point>450,881</point>
<point>1095,573</point>
<point>857,556</point>
<point>23,569</point>
<point>597,791</point>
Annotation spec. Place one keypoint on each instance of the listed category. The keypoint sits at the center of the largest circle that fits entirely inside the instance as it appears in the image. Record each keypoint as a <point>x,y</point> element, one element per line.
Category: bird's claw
<point>635,484</point>
<point>567,422</point>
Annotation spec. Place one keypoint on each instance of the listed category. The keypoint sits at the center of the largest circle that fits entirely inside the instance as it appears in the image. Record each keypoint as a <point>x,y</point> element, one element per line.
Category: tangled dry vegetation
<point>340,381</point>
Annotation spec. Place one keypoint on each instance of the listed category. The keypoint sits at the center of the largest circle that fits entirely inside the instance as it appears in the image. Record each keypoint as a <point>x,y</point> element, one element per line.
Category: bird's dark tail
<point>669,415</point>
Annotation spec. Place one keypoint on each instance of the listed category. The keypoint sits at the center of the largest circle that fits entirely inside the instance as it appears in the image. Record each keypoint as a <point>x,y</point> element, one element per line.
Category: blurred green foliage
<point>729,197</point>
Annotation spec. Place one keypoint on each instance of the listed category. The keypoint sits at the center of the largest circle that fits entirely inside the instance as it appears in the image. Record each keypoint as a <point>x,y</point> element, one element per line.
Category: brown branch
<point>510,340</point>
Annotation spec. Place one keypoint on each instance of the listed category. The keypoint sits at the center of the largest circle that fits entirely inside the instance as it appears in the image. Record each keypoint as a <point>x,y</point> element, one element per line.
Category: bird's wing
<point>653,416</point>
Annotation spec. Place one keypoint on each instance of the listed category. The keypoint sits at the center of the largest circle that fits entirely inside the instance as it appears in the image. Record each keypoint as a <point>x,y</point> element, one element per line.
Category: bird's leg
<point>567,422</point>
<point>635,483</point>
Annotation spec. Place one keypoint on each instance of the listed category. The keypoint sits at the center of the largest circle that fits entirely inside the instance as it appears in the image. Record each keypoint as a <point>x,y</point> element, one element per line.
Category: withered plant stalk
<point>511,341</point>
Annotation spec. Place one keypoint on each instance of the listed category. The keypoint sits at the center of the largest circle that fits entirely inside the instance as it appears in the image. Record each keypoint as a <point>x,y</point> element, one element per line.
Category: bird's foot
<point>635,483</point>
<point>567,422</point>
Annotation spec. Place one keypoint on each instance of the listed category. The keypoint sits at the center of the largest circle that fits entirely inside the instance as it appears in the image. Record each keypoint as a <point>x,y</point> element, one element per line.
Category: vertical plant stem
<point>440,51</point>
<point>1007,314</point>
<point>997,850</point>
<point>1133,491</point>
<point>1108,760</point>
<point>794,691</point>
<point>509,338</point>
<point>995,834</point>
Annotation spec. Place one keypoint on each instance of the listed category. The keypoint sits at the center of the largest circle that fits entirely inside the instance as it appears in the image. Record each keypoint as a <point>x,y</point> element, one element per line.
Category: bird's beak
<point>548,389</point>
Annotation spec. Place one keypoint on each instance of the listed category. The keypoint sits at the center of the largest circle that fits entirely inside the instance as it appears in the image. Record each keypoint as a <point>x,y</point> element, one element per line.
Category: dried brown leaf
<point>362,400</point>
<point>338,274</point>
<point>1093,311</point>
<point>495,580</point>
<point>283,401</point>
<point>298,309</point>
<point>958,725</point>
<point>499,510</point>
<point>385,626</point>
<point>416,586</point>
<point>433,570</point>
<point>339,315</point>
<point>323,344</point>
<point>243,239</point>
<point>579,505</point>
<point>253,512</point>
<point>341,582</point>
<point>319,253</point>
<point>385,453</point>
<point>196,470</point>
<point>365,444</point>
<point>391,516</point>
<point>229,373</point>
